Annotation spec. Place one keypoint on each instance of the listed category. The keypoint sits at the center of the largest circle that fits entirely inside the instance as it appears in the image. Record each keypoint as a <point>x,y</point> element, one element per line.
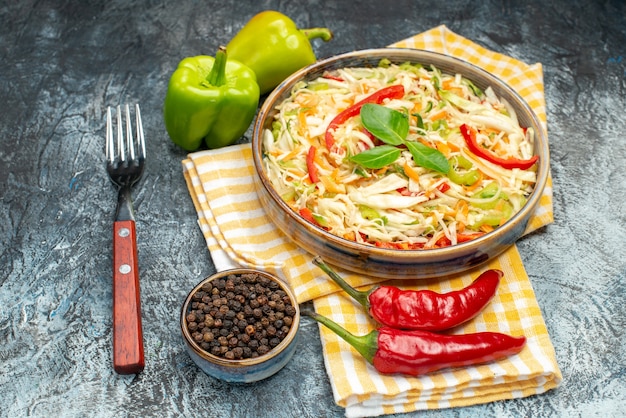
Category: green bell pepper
<point>273,46</point>
<point>210,99</point>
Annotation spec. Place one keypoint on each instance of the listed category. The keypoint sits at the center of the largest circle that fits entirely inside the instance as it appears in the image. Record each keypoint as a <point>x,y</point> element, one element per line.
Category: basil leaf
<point>428,157</point>
<point>377,157</point>
<point>388,125</point>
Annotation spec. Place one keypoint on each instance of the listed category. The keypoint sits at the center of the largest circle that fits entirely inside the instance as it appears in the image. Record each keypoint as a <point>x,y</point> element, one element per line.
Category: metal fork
<point>125,168</point>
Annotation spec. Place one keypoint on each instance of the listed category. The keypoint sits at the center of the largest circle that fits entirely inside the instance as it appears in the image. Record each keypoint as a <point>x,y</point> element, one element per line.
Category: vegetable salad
<point>399,156</point>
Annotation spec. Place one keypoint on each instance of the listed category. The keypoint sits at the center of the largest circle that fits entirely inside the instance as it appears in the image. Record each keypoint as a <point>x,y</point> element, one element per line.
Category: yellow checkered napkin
<point>238,233</point>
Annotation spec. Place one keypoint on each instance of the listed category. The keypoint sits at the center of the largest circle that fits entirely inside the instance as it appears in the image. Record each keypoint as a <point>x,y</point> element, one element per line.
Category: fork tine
<point>140,138</point>
<point>110,156</point>
<point>120,136</point>
<point>129,134</point>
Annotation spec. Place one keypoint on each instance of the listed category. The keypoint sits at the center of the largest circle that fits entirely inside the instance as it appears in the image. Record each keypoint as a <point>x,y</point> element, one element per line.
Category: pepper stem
<point>217,76</point>
<point>312,33</point>
<point>359,296</point>
<point>366,345</point>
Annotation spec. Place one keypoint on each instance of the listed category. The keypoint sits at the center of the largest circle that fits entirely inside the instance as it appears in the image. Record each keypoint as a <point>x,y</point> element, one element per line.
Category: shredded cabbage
<point>402,205</point>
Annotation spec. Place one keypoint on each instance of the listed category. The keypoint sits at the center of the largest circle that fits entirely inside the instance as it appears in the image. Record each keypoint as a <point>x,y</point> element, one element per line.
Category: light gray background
<point>62,62</point>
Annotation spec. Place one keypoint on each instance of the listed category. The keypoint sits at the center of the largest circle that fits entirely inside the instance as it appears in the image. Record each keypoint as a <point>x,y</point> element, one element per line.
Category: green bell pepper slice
<point>488,192</point>
<point>210,99</point>
<point>372,214</point>
<point>274,48</point>
<point>462,171</point>
<point>495,217</point>
<point>497,211</point>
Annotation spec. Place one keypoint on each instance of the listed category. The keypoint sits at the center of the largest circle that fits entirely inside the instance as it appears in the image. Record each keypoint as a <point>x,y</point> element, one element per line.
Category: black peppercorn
<point>238,352</point>
<point>209,321</point>
<point>271,330</point>
<point>240,316</point>
<point>274,342</point>
<point>247,352</point>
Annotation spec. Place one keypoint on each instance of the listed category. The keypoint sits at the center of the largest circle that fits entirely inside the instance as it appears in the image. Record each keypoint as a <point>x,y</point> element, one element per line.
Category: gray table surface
<point>62,62</point>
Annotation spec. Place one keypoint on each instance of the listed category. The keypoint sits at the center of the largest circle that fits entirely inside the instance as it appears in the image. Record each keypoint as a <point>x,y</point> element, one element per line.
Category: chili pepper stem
<point>366,345</point>
<point>312,33</point>
<point>359,296</point>
<point>217,76</point>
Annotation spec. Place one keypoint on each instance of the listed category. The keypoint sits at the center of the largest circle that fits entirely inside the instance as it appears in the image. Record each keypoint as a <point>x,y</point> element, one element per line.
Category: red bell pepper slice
<point>443,187</point>
<point>469,134</point>
<point>310,164</point>
<point>333,77</point>
<point>390,92</point>
<point>307,214</point>
<point>465,237</point>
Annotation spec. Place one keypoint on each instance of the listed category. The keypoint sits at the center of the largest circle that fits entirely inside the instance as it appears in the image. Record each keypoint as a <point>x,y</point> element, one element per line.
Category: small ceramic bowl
<point>245,370</point>
<point>395,263</point>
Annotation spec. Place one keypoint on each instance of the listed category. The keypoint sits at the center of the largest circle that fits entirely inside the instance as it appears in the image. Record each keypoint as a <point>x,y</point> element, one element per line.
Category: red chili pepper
<point>389,92</point>
<point>422,309</point>
<point>469,135</point>
<point>417,352</point>
<point>310,164</point>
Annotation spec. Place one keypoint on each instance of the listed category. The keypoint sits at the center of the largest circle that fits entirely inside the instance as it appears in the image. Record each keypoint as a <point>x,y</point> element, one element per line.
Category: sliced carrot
<point>350,236</point>
<point>453,147</point>
<point>442,114</point>
<point>293,154</point>
<point>417,106</point>
<point>411,172</point>
<point>381,171</point>
<point>307,99</point>
<point>331,186</point>
<point>443,148</point>
<point>424,142</point>
<point>302,124</point>
<point>447,84</point>
<point>462,207</point>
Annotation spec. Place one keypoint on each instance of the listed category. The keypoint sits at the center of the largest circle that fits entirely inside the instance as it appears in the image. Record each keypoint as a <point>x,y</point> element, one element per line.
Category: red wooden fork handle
<point>128,356</point>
